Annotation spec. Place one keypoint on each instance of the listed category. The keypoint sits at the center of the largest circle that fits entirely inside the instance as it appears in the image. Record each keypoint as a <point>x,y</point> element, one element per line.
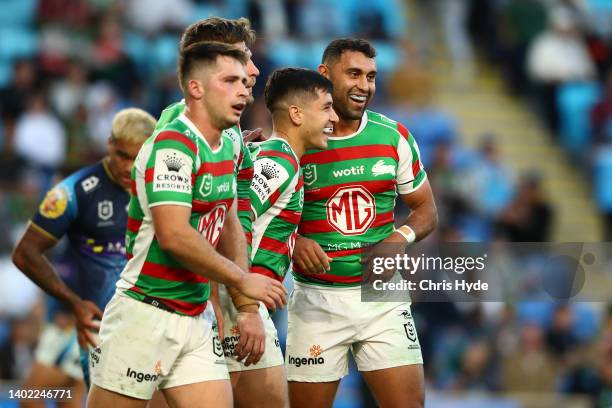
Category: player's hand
<point>390,247</point>
<point>310,257</point>
<point>88,316</point>
<point>264,289</point>
<point>255,135</point>
<point>252,343</point>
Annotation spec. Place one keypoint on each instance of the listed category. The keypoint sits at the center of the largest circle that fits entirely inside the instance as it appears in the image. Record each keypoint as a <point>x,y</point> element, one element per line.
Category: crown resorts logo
<point>173,162</point>
<point>269,171</point>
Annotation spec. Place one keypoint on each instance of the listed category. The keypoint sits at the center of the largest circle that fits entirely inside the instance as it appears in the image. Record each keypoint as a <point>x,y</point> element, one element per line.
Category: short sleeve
<point>410,172</point>
<point>57,211</point>
<point>270,179</point>
<point>170,170</point>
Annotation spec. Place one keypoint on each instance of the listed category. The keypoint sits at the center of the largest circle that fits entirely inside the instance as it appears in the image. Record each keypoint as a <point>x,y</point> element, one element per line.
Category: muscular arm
<point>29,257</point>
<point>232,242</point>
<point>423,217</point>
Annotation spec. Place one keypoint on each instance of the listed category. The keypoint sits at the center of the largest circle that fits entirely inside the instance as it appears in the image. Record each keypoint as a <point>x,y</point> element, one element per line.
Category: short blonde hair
<point>132,125</point>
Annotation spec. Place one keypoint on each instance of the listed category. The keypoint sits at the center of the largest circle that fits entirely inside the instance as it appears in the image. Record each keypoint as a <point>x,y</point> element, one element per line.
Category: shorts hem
<point>391,364</point>
<point>317,379</point>
<point>258,366</point>
<point>123,392</point>
<point>179,383</point>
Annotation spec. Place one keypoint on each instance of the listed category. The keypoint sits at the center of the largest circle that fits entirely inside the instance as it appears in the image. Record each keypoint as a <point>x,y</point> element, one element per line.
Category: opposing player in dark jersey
<point>159,331</point>
<point>350,192</point>
<point>90,208</point>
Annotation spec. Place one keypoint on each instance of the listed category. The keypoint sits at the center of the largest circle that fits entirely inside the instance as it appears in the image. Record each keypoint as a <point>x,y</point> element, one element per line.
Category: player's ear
<point>323,70</point>
<point>195,89</point>
<point>295,115</point>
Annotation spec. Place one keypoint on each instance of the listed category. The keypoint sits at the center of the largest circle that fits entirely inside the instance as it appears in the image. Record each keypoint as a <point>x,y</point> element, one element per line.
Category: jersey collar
<point>362,125</point>
<point>195,130</point>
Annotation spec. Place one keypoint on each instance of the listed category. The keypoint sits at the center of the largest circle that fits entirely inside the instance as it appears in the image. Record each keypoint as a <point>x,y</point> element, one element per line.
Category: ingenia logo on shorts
<point>314,359</point>
<point>140,377</point>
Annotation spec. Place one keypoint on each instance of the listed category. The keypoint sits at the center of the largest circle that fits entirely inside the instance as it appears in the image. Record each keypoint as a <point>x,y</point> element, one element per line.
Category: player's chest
<point>103,213</point>
<point>350,171</point>
<point>215,180</point>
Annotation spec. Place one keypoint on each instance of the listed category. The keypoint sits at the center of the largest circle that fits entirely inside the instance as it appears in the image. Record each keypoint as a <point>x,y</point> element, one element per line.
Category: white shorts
<point>59,348</point>
<point>325,323</point>
<point>143,348</point>
<point>273,355</point>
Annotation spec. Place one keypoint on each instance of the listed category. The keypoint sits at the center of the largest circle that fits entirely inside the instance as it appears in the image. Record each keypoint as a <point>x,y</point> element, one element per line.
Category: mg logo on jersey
<point>211,224</point>
<point>105,210</point>
<point>351,210</point>
<point>310,173</point>
<point>206,184</point>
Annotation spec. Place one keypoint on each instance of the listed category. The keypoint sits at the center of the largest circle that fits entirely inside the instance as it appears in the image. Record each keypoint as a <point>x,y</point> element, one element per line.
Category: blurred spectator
<point>557,56</point>
<point>530,368</point>
<point>102,103</point>
<point>602,113</point>
<point>454,14</point>
<point>602,174</point>
<point>529,216</point>
<point>488,184</point>
<point>559,337</point>
<point>67,93</point>
<point>520,22</point>
<point>40,140</point>
<point>445,181</point>
<point>153,16</point>
<point>13,98</point>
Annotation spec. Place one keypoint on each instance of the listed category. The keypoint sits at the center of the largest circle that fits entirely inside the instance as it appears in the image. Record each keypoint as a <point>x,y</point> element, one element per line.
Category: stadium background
<point>509,100</point>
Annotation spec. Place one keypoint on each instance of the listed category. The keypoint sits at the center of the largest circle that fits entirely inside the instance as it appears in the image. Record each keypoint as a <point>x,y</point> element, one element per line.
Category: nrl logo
<point>310,173</point>
<point>206,184</point>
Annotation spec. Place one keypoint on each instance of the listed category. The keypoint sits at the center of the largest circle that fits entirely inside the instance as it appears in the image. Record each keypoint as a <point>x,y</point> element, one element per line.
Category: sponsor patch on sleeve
<point>172,171</point>
<point>268,177</point>
<point>54,204</point>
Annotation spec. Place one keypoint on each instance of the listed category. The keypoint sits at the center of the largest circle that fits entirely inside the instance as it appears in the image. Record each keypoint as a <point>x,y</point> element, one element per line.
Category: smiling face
<point>319,120</point>
<point>353,76</point>
<point>225,92</point>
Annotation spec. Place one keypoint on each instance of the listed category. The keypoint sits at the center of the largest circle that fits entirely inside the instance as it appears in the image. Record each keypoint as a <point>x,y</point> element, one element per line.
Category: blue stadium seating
<point>575,101</point>
<point>18,42</point>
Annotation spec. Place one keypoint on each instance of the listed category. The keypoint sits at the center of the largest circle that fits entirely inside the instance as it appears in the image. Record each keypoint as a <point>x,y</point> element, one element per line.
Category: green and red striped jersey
<point>277,198</point>
<point>175,166</point>
<point>350,190</point>
<point>244,164</point>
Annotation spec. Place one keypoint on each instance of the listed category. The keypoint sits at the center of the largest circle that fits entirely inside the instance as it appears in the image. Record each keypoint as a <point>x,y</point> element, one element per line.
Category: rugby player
<point>350,192</point>
<point>158,330</point>
<point>90,208</point>
<point>301,106</point>
<point>246,338</point>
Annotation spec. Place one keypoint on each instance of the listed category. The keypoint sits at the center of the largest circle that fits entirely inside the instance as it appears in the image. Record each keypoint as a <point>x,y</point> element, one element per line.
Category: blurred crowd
<point>67,66</point>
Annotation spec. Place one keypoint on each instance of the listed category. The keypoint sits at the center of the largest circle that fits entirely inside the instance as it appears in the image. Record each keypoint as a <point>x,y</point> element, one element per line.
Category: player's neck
<point>345,127</point>
<point>201,119</point>
<point>293,139</point>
